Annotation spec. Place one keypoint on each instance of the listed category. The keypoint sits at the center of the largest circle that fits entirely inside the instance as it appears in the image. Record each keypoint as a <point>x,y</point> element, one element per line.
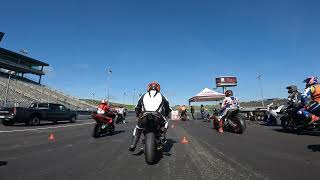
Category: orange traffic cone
<point>184,140</point>
<point>51,137</point>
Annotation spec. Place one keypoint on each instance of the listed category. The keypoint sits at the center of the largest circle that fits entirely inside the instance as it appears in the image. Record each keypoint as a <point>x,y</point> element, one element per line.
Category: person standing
<point>192,112</point>
<point>202,111</point>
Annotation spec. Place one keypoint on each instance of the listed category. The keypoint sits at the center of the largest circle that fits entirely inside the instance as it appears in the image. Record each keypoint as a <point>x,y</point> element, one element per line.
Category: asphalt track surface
<point>261,153</point>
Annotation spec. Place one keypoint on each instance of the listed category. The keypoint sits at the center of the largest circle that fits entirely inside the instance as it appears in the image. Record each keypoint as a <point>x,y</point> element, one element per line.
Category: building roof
<point>16,57</point>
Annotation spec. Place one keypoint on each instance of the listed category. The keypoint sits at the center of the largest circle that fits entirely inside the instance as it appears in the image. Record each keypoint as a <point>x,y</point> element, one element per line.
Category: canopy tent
<point>207,95</point>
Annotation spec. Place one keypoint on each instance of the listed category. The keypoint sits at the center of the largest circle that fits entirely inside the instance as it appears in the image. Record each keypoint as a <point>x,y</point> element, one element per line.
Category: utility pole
<point>93,99</point>
<point>124,98</point>
<point>259,77</point>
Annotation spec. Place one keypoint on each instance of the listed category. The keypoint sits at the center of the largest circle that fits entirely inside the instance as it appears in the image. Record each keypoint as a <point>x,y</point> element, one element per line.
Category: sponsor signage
<point>226,81</point>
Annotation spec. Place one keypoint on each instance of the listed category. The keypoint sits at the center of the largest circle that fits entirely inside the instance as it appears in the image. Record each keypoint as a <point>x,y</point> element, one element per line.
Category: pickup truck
<point>36,113</point>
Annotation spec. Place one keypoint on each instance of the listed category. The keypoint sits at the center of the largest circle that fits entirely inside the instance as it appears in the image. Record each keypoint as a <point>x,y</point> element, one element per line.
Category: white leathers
<point>152,101</point>
<point>100,111</point>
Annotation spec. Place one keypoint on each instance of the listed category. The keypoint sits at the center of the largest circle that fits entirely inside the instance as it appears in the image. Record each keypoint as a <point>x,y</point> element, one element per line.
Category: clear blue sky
<point>182,44</point>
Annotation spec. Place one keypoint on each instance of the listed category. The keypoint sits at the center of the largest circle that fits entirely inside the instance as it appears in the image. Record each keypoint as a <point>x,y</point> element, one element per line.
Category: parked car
<point>36,113</point>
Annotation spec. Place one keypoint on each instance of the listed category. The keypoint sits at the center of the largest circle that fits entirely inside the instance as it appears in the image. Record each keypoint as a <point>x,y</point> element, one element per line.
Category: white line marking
<point>55,127</point>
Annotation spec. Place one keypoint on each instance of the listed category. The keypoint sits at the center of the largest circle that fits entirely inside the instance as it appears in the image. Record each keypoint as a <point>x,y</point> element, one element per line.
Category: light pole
<point>92,100</point>
<point>7,88</point>
<point>134,89</point>
<point>109,74</point>
<point>259,77</point>
<point>124,98</point>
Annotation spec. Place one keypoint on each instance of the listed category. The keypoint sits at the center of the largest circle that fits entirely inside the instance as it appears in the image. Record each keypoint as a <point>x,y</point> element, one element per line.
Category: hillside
<point>96,103</point>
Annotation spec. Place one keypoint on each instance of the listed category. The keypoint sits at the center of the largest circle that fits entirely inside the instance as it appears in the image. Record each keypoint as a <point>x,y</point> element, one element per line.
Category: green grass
<point>96,103</point>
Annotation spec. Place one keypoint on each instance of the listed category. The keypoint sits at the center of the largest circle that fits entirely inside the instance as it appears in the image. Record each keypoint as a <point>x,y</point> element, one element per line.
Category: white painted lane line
<point>37,129</point>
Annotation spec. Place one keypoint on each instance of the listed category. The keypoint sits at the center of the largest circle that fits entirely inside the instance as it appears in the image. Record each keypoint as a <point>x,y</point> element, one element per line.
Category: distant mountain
<point>275,101</point>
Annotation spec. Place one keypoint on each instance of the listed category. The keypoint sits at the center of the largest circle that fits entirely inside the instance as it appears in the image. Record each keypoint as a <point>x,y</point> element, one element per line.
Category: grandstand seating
<point>23,93</point>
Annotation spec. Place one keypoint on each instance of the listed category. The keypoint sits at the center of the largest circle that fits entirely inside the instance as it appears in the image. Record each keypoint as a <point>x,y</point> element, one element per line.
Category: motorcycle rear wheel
<point>241,125</point>
<point>111,130</point>
<point>150,148</point>
<point>96,133</point>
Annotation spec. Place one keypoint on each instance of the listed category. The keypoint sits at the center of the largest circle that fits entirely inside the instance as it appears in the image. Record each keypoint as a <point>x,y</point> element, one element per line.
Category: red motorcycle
<point>104,124</point>
<point>233,122</point>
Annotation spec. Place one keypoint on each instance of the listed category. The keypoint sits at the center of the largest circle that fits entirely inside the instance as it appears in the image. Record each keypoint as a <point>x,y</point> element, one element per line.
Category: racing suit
<point>104,111</point>
<point>294,98</point>
<point>229,104</point>
<point>152,101</point>
<point>183,111</point>
<point>311,111</point>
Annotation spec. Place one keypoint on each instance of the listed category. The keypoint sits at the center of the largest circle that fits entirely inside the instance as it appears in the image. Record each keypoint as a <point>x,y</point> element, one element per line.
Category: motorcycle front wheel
<point>288,125</point>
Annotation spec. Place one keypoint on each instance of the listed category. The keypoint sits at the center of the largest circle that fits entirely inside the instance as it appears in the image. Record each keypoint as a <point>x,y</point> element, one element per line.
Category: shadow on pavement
<point>302,132</point>
<point>314,147</point>
<point>166,149</point>
<point>3,163</point>
<point>115,133</point>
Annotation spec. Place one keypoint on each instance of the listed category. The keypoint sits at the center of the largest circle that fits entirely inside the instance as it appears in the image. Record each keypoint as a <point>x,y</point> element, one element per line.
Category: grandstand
<point>22,91</point>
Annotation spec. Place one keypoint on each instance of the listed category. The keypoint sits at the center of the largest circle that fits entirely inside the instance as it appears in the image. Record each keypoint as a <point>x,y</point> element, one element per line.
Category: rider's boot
<point>164,136</point>
<point>314,118</point>
<point>221,126</point>
<point>135,139</point>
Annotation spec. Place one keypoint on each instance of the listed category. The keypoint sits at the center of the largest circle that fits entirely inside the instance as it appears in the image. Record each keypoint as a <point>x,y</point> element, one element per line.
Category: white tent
<point>207,95</point>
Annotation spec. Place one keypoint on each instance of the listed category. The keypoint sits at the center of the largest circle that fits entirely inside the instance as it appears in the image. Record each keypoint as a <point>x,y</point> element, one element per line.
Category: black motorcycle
<point>233,122</point>
<point>293,122</point>
<point>153,145</point>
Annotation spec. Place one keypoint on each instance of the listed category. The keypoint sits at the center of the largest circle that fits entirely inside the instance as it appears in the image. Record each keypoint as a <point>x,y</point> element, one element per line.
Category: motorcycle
<point>152,142</point>
<point>120,116</point>
<point>233,122</point>
<point>205,116</point>
<point>184,116</point>
<point>291,121</point>
<point>104,125</point>
<point>273,116</point>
